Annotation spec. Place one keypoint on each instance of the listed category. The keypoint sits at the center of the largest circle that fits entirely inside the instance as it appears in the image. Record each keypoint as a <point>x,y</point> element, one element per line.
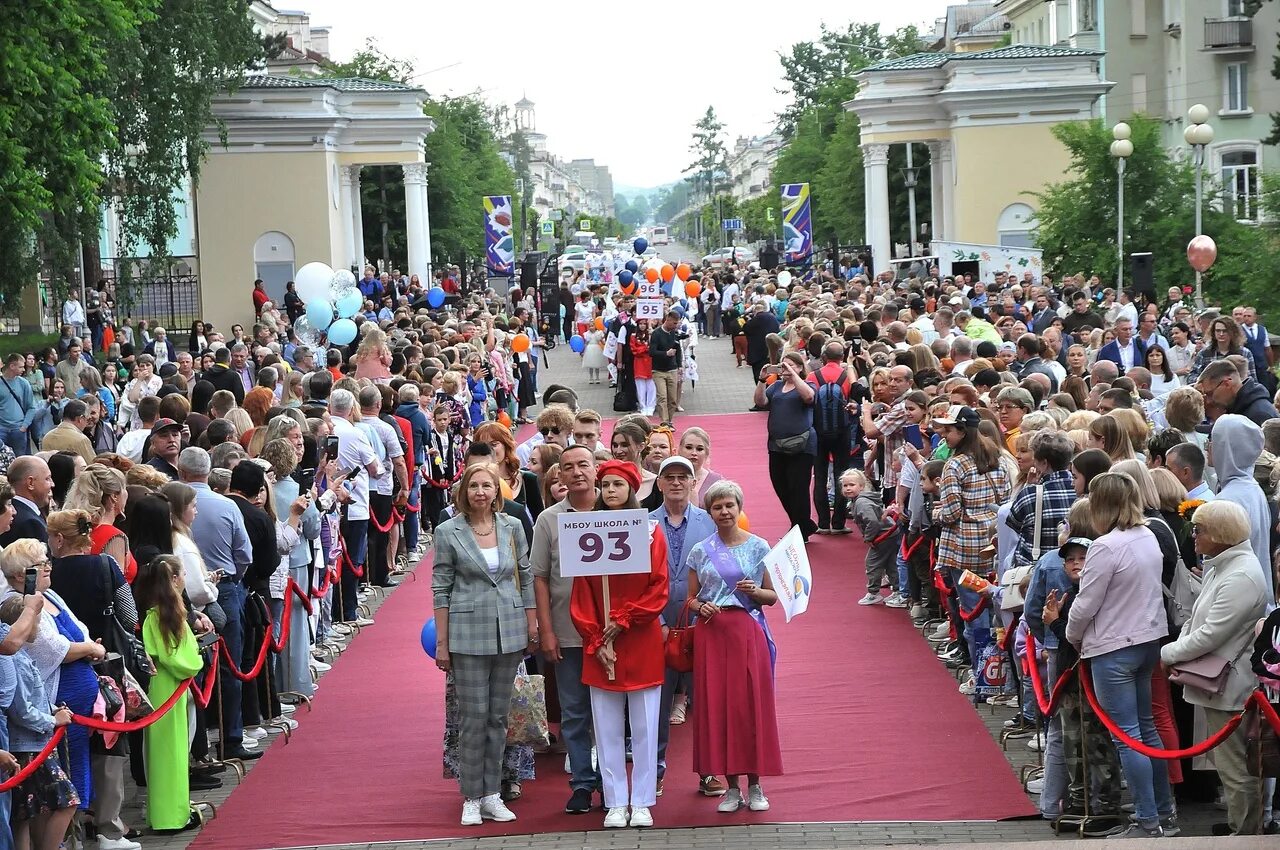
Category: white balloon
<point>784,278</point>
<point>312,282</point>
<point>341,281</point>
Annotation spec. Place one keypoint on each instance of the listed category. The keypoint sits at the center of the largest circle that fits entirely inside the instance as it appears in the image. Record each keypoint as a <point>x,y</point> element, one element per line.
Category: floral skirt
<point>517,760</point>
<point>46,790</point>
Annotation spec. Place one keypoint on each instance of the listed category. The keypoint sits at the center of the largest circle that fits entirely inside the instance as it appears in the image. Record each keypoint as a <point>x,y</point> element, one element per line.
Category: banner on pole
<point>788,568</point>
<point>499,246</point>
<point>797,222</point>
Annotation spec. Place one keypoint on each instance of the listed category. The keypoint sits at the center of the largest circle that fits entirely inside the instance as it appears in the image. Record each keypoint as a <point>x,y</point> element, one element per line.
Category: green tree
<point>1077,218</point>
<point>372,63</point>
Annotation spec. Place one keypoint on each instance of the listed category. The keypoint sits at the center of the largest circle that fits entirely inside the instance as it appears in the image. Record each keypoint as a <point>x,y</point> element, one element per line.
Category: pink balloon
<point>1201,252</point>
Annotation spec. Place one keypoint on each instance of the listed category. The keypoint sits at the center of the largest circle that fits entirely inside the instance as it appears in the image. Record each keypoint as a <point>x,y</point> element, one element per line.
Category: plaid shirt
<point>1059,494</point>
<point>891,439</point>
<point>966,510</point>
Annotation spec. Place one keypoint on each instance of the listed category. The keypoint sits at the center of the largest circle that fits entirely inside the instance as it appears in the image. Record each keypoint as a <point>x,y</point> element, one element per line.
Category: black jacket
<point>224,379</point>
<point>1253,403</point>
<point>758,327</point>
<point>262,539</point>
<point>26,523</point>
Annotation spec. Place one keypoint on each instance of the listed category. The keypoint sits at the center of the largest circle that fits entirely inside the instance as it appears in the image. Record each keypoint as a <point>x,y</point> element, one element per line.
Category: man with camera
<point>664,347</point>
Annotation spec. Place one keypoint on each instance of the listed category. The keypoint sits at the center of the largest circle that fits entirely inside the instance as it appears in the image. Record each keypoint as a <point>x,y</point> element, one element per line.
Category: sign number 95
<point>593,547</point>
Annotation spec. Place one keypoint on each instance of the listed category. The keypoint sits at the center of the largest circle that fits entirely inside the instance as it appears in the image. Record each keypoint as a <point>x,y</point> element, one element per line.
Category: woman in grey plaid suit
<point>485,623</point>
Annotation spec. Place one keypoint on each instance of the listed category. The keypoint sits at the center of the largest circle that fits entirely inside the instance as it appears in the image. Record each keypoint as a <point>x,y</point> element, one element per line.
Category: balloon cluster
<point>332,300</point>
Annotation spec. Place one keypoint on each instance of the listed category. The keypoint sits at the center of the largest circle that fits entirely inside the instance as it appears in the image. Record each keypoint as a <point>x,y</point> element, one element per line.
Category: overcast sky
<point>621,83</point>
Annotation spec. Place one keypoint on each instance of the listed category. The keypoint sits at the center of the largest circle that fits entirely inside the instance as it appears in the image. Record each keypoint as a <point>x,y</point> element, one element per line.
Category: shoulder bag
<point>120,640</point>
<point>1208,673</point>
<point>527,715</point>
<point>1181,596</point>
<point>678,647</point>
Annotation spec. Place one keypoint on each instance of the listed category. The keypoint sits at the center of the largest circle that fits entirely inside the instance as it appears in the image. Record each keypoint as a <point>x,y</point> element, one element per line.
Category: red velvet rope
<point>1006,642</point>
<point>134,725</point>
<point>908,551</point>
<point>391,521</point>
<point>23,775</point>
<point>257,665</point>
<point>970,616</point>
<point>1050,705</point>
<point>1257,697</point>
<point>303,596</point>
<point>413,509</point>
<point>344,558</point>
<point>325,583</point>
<point>205,695</point>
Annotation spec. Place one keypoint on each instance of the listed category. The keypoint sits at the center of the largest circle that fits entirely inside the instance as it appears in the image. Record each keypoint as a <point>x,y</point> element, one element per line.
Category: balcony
<point>1228,35</point>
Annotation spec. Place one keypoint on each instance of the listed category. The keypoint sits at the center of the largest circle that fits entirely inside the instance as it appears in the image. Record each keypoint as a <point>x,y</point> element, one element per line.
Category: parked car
<point>574,257</point>
<point>721,256</point>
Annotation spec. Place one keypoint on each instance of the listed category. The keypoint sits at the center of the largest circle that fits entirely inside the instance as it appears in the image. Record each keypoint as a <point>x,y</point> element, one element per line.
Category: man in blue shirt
<point>17,405</point>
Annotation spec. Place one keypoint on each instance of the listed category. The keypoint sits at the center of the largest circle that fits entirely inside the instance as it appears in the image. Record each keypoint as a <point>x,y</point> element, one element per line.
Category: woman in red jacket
<point>642,368</point>
<point>623,662</point>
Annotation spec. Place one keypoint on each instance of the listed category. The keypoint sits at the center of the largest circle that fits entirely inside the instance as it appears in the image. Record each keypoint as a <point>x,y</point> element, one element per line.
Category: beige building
<point>987,119</point>
<point>579,186</point>
<point>1165,56</point>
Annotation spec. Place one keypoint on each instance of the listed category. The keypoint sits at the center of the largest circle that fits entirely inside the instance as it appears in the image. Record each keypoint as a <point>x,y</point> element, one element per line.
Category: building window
<point>1237,82</point>
<point>1138,21</point>
<point>1172,14</point>
<point>1235,9</point>
<point>1240,184</point>
<point>1138,84</point>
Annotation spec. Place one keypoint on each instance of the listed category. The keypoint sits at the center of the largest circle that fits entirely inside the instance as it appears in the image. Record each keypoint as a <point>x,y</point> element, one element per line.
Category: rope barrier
<point>23,775</point>
<point>384,529</point>
<point>257,665</point>
<point>204,696</point>
<point>969,616</point>
<point>1050,705</point>
<point>345,559</point>
<point>134,725</point>
<point>326,582</point>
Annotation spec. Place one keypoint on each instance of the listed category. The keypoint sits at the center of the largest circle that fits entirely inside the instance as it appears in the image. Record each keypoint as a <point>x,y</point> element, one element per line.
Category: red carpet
<point>872,726</point>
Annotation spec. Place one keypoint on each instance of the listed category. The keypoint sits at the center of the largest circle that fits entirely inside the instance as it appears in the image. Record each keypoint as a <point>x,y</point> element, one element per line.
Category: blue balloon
<point>577,344</point>
<point>342,332</point>
<point>319,314</point>
<point>641,245</point>
<point>349,304</point>
<point>435,296</point>
<point>678,310</point>
<point>625,277</point>
<point>632,266</point>
<point>429,637</point>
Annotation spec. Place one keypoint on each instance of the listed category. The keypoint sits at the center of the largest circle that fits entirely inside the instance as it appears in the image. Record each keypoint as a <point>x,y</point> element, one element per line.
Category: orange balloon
<point>599,323</point>
<point>743,522</point>
<point>520,343</point>
<point>683,271</point>
<point>668,272</point>
<point>651,274</point>
<point>630,288</point>
<point>504,418</point>
<point>693,289</point>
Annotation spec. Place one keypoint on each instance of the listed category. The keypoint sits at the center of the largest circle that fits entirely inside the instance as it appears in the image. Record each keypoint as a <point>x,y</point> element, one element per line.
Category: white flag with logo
<point>788,568</point>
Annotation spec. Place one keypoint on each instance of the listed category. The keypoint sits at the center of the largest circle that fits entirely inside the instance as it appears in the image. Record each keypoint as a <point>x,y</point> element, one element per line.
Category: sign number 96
<point>593,547</point>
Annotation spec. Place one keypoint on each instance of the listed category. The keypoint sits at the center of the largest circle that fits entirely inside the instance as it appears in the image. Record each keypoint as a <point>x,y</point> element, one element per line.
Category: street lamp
<point>1121,149</point>
<point>910,181</point>
<point>1198,134</point>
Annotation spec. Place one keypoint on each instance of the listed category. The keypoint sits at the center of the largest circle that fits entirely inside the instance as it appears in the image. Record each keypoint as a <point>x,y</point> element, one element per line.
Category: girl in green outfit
<point>172,646</point>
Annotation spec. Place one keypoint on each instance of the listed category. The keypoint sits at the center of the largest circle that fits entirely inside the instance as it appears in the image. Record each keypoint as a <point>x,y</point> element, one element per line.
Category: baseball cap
<point>674,461</point>
<point>1083,542</point>
<point>958,414</point>
<point>163,424</point>
<point>917,304</point>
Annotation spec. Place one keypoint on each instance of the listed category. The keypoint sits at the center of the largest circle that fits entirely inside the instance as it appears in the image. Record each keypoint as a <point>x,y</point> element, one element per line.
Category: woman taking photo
<point>1116,621</point>
<point>622,660</point>
<point>172,647</point>
<point>480,581</point>
<point>735,722</point>
<point>1232,600</point>
<point>792,441</point>
<point>695,447</point>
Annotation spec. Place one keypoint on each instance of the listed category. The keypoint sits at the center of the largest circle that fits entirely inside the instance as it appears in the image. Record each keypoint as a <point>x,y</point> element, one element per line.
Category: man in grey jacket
<point>1234,447</point>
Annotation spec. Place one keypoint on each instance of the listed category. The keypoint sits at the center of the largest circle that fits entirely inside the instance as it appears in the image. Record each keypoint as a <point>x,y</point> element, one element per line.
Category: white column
<point>348,246</point>
<point>351,186</point>
<point>938,227</point>
<point>947,181</point>
<point>875,165</point>
<point>416,221</point>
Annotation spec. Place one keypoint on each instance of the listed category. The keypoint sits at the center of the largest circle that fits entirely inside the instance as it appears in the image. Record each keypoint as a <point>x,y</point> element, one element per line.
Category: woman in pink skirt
<point>734,722</point>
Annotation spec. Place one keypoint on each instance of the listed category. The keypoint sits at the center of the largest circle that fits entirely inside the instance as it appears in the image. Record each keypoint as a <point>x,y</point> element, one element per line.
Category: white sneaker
<point>256,732</point>
<point>732,801</point>
<point>896,600</point>
<point>287,722</point>
<point>492,808</point>
<point>248,741</point>
<point>1035,786</point>
<point>969,687</point>
<point>364,621</point>
<point>641,817</point>
<point>616,818</point>
<point>105,843</point>
<point>1036,744</point>
<point>871,599</point>
<point>287,708</point>
<point>942,631</point>
<point>756,800</point>
<point>471,813</point>
<point>320,666</point>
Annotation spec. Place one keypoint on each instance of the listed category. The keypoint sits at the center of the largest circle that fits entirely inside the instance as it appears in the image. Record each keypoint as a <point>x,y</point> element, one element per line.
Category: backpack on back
<point>830,415</point>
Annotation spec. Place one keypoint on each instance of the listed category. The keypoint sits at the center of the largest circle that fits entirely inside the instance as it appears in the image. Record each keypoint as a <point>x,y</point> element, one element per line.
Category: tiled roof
<point>1015,51</point>
<point>279,81</point>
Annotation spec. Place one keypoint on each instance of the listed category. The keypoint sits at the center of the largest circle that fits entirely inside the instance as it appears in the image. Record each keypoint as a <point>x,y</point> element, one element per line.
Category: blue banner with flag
<point>797,223</point>
<point>499,243</point>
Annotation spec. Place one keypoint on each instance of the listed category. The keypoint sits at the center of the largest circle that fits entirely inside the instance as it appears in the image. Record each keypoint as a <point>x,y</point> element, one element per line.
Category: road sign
<point>768,214</point>
<point>731,224</point>
<point>519,186</point>
<point>555,215</point>
<point>584,224</point>
<point>601,543</point>
<point>548,228</point>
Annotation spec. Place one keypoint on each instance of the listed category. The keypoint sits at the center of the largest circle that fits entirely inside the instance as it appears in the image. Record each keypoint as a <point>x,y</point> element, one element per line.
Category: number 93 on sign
<point>600,543</point>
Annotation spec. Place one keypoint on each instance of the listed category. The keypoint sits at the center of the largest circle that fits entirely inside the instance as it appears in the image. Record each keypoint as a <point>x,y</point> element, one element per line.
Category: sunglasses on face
<point>546,431</point>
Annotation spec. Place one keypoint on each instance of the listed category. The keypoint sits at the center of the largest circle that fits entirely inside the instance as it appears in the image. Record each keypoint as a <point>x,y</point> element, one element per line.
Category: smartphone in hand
<point>911,433</point>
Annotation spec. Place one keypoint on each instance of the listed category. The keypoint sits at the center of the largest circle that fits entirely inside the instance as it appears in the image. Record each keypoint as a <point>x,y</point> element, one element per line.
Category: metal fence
<point>169,299</point>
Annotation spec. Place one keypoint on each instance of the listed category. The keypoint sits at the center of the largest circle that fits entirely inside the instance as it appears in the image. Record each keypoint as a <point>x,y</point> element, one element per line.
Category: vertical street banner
<point>499,244</point>
<point>788,567</point>
<point>797,223</point>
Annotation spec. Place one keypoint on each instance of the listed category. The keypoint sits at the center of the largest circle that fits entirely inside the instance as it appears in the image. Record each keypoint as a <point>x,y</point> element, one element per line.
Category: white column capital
<point>415,173</point>
<point>351,174</point>
<point>939,150</point>
<point>875,154</point>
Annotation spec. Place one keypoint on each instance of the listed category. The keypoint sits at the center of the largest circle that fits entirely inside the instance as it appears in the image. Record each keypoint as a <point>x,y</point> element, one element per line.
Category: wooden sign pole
<point>604,583</point>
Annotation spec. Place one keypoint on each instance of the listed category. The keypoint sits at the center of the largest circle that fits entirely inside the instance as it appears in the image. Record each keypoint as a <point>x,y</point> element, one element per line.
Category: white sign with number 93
<point>601,543</point>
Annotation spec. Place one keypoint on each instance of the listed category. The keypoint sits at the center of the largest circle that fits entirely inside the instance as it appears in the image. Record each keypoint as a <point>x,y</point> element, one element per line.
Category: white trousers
<point>607,713</point>
<point>646,395</point>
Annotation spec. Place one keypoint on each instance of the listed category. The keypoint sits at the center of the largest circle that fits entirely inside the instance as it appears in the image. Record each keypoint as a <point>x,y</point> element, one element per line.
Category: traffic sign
<point>548,228</point>
<point>555,215</point>
<point>584,224</point>
<point>519,186</point>
<point>731,224</point>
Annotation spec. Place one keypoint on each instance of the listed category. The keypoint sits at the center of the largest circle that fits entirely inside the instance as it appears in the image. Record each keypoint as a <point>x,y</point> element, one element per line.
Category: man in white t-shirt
<point>357,462</point>
<point>385,441</point>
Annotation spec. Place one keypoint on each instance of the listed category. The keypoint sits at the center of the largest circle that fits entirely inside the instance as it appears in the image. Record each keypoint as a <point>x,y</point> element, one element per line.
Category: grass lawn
<point>24,342</point>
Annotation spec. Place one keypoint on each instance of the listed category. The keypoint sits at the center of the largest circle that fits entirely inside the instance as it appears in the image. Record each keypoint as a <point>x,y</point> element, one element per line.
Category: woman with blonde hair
<point>1136,427</point>
<point>373,358</point>
<point>103,493</point>
<point>240,420</point>
<point>695,447</point>
<point>1107,433</point>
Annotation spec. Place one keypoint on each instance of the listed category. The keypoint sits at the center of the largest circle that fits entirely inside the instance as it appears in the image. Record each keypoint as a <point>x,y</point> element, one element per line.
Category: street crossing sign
<point>548,228</point>
<point>732,224</point>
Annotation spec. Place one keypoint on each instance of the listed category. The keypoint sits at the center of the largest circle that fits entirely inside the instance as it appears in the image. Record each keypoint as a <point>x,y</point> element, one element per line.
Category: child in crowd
<point>443,456</point>
<point>879,531</point>
<point>593,359</point>
<point>44,804</point>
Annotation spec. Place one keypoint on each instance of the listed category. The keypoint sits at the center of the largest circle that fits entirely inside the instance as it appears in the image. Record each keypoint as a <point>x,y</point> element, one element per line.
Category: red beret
<point>625,470</point>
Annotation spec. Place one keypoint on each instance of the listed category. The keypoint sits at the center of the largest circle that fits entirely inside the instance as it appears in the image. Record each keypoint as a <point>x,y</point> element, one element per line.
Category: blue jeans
<point>575,718</point>
<point>231,597</point>
<point>903,573</point>
<point>1053,796</point>
<point>1122,680</point>
<point>412,524</point>
<point>16,439</point>
<point>969,600</point>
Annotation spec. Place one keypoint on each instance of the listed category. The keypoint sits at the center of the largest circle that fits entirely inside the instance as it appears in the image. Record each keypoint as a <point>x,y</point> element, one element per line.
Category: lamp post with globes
<point>1121,149</point>
<point>1198,134</point>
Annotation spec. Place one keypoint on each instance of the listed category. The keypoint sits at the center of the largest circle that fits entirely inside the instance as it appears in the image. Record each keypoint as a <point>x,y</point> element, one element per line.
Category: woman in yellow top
<point>172,646</point>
